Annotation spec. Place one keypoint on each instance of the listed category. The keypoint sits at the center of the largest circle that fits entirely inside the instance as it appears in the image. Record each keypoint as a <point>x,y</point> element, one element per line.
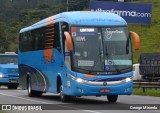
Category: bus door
<point>66,53</point>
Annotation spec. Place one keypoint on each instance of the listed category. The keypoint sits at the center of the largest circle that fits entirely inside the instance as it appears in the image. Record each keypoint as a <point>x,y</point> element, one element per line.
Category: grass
<point>150,42</point>
<point>148,92</point>
<point>149,34</point>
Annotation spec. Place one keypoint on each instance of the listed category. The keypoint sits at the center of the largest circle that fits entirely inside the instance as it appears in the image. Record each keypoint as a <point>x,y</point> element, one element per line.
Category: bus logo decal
<point>53,59</point>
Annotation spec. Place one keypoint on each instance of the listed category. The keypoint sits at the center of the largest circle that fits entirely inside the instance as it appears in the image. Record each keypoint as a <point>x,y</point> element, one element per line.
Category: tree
<point>17,14</point>
<point>3,38</point>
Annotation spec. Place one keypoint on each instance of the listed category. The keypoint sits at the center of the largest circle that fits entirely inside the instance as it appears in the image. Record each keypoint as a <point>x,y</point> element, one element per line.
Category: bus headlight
<point>128,79</point>
<point>1,75</point>
<point>79,80</point>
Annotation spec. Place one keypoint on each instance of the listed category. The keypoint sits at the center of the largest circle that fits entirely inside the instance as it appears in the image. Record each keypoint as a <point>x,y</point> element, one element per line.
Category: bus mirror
<point>69,41</point>
<point>136,40</point>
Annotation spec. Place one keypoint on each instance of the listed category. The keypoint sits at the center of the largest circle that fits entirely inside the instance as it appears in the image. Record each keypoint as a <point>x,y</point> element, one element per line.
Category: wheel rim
<point>29,87</point>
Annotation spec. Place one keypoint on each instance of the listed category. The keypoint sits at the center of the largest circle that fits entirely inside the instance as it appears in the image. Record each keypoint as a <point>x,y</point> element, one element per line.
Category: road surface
<point>89,104</point>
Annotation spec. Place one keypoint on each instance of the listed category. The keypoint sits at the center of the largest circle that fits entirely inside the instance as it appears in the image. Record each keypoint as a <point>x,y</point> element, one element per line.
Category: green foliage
<point>17,14</point>
<point>4,42</point>
<point>149,92</point>
<point>9,36</point>
<point>77,5</point>
<point>32,16</point>
<point>149,34</point>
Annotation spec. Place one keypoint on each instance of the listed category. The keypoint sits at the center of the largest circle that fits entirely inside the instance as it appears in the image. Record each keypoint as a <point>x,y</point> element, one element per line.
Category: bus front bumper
<point>79,87</point>
<point>5,81</point>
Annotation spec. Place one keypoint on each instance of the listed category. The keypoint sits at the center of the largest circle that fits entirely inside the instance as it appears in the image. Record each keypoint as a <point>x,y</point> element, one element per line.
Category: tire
<point>12,86</point>
<point>112,98</point>
<point>32,93</point>
<point>64,98</point>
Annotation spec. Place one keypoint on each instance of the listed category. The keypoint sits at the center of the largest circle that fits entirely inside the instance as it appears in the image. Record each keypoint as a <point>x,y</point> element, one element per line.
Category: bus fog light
<point>80,90</point>
<point>68,83</point>
<point>127,89</point>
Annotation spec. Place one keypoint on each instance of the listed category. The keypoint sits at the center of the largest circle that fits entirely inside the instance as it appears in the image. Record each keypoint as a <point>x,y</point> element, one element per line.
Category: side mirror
<point>68,41</point>
<point>136,40</point>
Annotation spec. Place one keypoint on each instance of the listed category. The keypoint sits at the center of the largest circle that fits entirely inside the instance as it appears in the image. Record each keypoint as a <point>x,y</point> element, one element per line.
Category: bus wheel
<point>64,98</point>
<point>32,93</point>
<point>112,98</point>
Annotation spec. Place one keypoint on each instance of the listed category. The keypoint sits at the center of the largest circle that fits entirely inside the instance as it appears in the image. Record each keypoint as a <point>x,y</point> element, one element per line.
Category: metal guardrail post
<point>145,85</point>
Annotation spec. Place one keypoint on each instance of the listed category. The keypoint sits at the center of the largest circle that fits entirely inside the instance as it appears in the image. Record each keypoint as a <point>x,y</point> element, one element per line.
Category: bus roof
<point>85,18</point>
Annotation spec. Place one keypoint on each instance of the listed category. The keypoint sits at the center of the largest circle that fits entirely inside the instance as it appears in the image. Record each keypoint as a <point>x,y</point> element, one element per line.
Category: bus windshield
<point>101,50</point>
<point>8,59</point>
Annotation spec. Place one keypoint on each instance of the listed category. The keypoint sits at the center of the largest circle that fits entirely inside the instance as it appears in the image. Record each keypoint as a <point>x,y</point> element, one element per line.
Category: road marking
<point>90,111</point>
<point>25,99</point>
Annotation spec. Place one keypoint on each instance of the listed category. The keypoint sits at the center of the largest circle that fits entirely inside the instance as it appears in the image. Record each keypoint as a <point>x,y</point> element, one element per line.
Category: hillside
<point>20,13</point>
<point>16,14</point>
<point>149,34</point>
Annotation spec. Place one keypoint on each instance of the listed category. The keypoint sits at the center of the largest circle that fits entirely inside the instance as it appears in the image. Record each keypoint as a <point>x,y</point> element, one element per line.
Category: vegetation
<point>149,92</point>
<point>16,14</point>
<point>149,34</point>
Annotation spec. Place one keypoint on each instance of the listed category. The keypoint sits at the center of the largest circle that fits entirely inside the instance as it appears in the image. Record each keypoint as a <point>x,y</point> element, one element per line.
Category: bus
<point>79,53</point>
<point>9,70</point>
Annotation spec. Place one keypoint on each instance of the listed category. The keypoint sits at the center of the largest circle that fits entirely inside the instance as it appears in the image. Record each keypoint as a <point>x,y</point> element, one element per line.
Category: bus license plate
<point>13,81</point>
<point>106,90</point>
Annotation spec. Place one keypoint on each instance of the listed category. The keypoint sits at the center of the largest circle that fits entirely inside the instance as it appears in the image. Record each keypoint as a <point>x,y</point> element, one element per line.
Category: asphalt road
<point>88,104</point>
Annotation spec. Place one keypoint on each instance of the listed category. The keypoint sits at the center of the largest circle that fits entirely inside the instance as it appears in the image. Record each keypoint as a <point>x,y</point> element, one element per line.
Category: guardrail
<point>144,85</point>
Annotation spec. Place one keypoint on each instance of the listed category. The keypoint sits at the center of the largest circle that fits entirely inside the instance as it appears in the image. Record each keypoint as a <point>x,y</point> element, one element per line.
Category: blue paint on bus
<point>82,71</point>
<point>9,70</point>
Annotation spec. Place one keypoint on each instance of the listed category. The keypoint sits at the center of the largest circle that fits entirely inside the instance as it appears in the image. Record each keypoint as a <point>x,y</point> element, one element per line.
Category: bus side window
<point>25,42</point>
<point>56,43</point>
<point>38,38</point>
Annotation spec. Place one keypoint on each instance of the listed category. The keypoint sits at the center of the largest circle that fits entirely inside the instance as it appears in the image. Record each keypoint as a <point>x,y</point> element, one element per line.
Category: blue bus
<point>77,54</point>
<point>9,70</point>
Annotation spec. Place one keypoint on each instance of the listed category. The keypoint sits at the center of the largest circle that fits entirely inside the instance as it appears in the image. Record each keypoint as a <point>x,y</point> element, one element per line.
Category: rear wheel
<point>112,98</point>
<point>32,93</point>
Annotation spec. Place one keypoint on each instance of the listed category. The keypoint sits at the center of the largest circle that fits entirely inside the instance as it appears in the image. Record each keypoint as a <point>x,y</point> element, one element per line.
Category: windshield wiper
<point>95,63</point>
<point>99,55</point>
<point>114,64</point>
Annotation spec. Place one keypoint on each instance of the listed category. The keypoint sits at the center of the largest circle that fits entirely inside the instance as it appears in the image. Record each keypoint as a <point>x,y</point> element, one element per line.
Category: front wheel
<point>64,98</point>
<point>112,98</point>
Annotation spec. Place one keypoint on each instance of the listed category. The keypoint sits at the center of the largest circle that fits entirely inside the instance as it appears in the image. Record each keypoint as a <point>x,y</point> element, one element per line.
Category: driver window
<point>64,27</point>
